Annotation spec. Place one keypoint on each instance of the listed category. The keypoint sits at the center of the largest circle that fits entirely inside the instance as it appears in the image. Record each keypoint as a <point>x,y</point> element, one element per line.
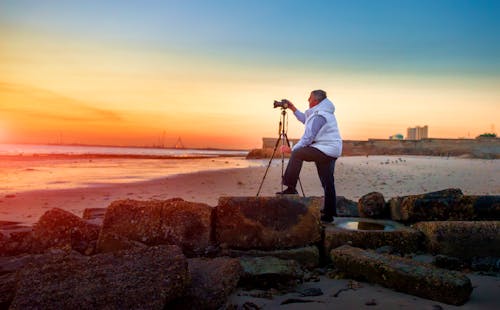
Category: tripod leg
<point>300,183</point>
<point>268,165</point>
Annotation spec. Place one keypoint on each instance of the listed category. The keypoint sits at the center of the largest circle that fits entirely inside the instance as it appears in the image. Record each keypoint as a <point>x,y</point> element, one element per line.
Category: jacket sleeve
<point>311,131</point>
<point>300,116</point>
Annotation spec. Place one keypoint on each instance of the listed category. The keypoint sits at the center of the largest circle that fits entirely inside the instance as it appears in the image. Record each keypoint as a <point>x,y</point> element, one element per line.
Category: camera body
<point>281,104</point>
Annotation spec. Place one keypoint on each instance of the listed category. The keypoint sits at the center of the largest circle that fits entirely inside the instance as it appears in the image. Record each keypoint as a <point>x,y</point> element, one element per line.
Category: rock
<point>145,278</point>
<point>307,257</point>
<point>18,242</point>
<point>58,228</point>
<point>485,207</point>
<point>154,222</point>
<point>212,281</point>
<point>346,207</point>
<point>7,289</point>
<point>267,223</point>
<point>449,262</point>
<point>12,264</point>
<point>462,239</point>
<point>372,205</point>
<point>435,206</point>
<point>269,272</point>
<point>425,258</point>
<point>403,275</point>
<point>372,234</point>
<point>486,264</point>
<point>94,215</point>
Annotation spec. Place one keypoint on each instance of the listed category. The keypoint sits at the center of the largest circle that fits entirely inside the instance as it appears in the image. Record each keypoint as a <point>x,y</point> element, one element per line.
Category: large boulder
<point>94,215</point>
<point>372,205</point>
<point>146,278</point>
<point>173,221</point>
<point>485,207</point>
<point>268,222</point>
<point>58,228</point>
<point>371,234</point>
<point>212,281</point>
<point>16,242</point>
<point>462,239</point>
<point>269,272</point>
<point>7,289</point>
<point>346,207</point>
<point>404,275</point>
<point>435,206</point>
<point>308,257</point>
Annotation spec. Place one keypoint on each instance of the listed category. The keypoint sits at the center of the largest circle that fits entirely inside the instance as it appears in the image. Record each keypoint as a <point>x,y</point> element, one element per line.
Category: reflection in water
<point>357,225</point>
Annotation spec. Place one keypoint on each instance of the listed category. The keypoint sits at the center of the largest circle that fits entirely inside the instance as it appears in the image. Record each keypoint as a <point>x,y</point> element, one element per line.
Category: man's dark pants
<point>326,167</point>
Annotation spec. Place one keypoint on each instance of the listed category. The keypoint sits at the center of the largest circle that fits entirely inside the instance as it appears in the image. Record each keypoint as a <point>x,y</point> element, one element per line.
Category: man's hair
<point>319,94</point>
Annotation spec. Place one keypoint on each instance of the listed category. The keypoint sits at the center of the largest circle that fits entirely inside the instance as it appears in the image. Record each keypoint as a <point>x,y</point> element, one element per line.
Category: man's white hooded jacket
<point>328,138</point>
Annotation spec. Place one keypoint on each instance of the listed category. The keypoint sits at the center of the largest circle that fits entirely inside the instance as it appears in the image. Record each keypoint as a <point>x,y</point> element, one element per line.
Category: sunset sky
<point>147,72</point>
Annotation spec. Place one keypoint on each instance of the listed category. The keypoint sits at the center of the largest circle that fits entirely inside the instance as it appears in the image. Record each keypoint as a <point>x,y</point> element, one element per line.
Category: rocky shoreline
<point>179,254</point>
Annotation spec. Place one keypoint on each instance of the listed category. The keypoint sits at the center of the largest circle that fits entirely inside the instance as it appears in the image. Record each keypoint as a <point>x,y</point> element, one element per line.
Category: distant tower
<point>179,144</point>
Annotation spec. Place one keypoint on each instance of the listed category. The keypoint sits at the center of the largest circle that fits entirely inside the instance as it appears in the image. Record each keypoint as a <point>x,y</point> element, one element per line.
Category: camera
<point>281,104</point>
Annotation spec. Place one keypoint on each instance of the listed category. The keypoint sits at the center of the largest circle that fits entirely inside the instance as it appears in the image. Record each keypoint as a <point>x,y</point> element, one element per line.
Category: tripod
<point>283,138</point>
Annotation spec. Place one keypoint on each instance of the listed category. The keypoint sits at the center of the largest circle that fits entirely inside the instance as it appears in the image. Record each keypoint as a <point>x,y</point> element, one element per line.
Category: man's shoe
<point>288,191</point>
<point>326,218</point>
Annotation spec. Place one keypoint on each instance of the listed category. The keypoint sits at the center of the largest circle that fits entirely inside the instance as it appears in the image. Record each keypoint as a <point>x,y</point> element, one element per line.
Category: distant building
<point>397,136</point>
<point>417,133</point>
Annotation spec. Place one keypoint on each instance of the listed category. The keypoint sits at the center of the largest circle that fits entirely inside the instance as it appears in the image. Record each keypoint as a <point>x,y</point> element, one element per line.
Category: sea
<point>27,167</point>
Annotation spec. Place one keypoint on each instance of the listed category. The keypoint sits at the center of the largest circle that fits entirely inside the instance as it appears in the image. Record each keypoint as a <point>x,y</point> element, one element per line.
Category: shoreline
<point>355,176</point>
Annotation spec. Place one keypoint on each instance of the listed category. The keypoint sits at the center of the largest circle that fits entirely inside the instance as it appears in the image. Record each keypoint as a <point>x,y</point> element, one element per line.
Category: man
<point>321,143</point>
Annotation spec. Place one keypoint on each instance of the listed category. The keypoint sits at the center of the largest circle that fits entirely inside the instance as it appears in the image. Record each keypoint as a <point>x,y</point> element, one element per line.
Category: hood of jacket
<point>325,106</point>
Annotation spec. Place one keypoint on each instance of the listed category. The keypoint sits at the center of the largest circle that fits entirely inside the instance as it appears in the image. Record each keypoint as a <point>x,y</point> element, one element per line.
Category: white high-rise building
<point>417,133</point>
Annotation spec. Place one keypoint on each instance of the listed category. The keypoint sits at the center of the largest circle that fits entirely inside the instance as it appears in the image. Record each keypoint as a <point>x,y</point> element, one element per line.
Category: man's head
<point>316,97</point>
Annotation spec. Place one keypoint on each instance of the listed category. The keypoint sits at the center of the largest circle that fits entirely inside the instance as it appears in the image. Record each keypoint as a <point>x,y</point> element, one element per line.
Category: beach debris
<point>310,292</point>
<point>297,300</point>
<point>372,205</point>
<point>268,223</point>
<point>351,285</point>
<point>403,274</point>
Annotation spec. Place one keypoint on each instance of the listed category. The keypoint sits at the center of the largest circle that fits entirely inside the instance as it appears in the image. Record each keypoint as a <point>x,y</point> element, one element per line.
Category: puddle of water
<point>357,225</point>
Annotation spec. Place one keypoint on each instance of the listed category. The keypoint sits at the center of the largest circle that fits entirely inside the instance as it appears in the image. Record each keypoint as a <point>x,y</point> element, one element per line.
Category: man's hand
<point>285,149</point>
<point>290,105</point>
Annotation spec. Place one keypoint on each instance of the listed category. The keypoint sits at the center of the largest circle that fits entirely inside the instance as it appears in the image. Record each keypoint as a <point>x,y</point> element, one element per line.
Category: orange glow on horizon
<point>56,90</point>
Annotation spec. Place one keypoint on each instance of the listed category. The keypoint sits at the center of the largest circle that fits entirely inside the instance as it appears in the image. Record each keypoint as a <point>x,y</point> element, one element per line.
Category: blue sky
<point>454,36</point>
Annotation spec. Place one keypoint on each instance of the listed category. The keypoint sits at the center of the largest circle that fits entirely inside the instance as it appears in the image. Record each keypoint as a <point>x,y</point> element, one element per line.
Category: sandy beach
<point>355,176</point>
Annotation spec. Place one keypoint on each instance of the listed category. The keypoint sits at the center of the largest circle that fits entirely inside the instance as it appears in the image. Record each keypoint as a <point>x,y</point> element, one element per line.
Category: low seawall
<point>488,148</point>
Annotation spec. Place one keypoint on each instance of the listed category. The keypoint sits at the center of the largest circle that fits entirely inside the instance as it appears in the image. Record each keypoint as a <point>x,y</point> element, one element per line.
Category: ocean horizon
<point>57,149</point>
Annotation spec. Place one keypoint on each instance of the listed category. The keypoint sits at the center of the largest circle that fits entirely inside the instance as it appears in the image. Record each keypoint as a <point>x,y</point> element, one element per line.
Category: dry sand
<point>355,176</point>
